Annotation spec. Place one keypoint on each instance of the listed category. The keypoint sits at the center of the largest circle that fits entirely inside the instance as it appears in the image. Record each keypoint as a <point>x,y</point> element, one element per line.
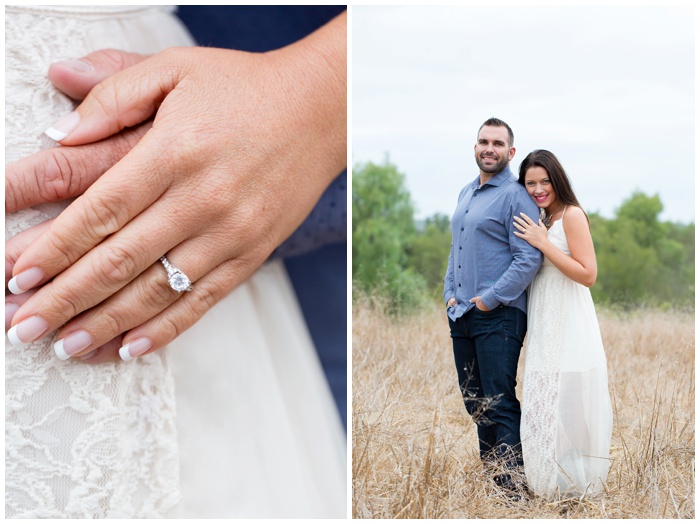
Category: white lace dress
<point>256,432</point>
<point>566,413</point>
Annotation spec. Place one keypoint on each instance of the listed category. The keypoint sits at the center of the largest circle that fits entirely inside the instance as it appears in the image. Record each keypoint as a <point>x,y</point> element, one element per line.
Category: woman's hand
<point>534,234</point>
<point>240,149</point>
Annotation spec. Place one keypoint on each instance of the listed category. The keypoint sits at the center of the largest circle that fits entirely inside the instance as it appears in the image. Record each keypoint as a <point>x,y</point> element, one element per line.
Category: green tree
<point>429,250</point>
<point>382,228</point>
<point>624,266</point>
<point>642,213</point>
<point>642,260</point>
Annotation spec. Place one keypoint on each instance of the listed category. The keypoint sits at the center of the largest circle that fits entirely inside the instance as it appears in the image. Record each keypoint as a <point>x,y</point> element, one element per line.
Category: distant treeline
<point>641,261</point>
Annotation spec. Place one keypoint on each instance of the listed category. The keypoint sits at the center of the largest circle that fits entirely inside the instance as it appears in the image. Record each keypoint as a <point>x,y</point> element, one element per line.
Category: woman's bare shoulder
<point>574,218</point>
<point>575,214</point>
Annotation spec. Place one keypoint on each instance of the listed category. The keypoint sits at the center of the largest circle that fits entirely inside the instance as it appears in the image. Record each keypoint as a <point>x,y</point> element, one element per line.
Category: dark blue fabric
<point>320,283</point>
<point>486,348</point>
<point>327,223</point>
<point>319,277</point>
<point>254,28</point>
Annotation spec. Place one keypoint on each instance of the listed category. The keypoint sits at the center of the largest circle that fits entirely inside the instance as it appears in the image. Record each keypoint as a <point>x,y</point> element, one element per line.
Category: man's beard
<point>495,168</point>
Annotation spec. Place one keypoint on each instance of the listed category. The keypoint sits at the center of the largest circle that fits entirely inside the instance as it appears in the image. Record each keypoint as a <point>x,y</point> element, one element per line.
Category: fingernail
<point>134,349</point>
<point>10,310</point>
<point>81,65</point>
<point>27,331</point>
<point>26,280</point>
<point>72,344</point>
<point>63,127</point>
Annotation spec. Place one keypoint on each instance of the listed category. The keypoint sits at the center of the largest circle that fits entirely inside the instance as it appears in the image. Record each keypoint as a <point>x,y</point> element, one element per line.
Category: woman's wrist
<point>314,76</point>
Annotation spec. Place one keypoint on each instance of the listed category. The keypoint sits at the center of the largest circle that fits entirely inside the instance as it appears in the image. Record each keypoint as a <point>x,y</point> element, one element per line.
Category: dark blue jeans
<point>486,348</point>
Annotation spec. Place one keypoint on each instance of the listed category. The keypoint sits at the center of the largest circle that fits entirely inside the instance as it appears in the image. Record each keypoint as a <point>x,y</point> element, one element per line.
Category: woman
<point>256,434</point>
<point>566,413</point>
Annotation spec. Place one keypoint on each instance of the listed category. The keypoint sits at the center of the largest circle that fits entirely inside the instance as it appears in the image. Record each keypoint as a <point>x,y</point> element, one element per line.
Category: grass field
<point>415,451</point>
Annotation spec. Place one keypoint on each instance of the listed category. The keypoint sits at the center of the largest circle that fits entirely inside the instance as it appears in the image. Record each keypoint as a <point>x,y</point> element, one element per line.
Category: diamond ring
<point>176,278</point>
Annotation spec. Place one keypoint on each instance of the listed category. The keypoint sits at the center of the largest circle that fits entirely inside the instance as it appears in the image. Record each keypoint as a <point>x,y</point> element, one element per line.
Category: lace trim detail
<point>81,441</point>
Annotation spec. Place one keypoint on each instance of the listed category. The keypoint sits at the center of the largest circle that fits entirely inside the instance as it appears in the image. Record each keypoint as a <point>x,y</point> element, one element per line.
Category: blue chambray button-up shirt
<point>486,258</point>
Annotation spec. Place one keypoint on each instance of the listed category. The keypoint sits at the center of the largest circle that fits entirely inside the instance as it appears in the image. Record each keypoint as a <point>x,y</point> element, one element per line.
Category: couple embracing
<point>509,273</point>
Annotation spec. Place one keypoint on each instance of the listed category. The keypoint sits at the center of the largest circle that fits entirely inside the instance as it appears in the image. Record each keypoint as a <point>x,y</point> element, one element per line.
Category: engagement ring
<point>176,278</point>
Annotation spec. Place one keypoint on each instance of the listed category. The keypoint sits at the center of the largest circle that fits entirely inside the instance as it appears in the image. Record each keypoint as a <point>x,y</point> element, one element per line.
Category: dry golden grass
<point>415,451</point>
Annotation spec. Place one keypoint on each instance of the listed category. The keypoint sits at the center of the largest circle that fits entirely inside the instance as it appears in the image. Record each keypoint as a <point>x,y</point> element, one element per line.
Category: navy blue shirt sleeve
<point>327,223</point>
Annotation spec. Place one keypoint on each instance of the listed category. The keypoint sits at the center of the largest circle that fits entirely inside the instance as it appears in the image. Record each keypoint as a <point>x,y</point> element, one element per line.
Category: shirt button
<point>462,229</point>
<point>460,285</point>
<point>467,211</point>
<point>460,267</point>
<point>460,248</point>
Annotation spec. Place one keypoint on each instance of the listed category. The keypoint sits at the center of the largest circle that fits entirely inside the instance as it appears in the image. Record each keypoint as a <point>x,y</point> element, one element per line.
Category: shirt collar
<point>497,179</point>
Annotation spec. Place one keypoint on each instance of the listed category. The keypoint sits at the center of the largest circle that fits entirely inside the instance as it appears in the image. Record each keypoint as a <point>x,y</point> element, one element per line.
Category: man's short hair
<point>497,122</point>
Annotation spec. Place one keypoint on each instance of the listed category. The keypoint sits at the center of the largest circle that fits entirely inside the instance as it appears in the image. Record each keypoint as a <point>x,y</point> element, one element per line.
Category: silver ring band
<point>177,279</point>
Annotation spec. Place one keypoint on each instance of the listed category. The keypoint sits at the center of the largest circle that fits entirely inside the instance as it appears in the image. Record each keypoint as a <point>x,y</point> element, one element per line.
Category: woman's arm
<point>581,266</point>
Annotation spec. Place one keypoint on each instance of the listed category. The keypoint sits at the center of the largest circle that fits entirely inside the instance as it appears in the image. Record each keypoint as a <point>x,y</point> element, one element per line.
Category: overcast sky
<point>609,90</point>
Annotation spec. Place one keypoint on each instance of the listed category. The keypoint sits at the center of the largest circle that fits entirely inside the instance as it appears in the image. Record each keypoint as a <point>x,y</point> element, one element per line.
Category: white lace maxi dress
<point>256,432</point>
<point>566,413</point>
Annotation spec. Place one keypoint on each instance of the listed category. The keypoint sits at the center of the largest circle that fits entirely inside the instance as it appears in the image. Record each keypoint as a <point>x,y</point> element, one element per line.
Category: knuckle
<point>112,323</point>
<point>186,148</point>
<point>103,214</point>
<point>158,292</point>
<point>63,301</point>
<point>57,178</point>
<point>115,59</point>
<point>62,256</point>
<point>116,265</point>
<point>206,298</point>
<point>113,100</point>
<point>171,327</point>
<point>12,192</point>
<point>104,95</point>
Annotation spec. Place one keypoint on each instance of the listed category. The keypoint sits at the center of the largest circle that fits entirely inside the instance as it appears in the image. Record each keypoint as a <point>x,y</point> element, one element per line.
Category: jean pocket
<point>489,313</point>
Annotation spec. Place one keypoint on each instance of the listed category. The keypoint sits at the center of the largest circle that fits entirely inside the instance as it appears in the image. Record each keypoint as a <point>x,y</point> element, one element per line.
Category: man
<point>487,273</point>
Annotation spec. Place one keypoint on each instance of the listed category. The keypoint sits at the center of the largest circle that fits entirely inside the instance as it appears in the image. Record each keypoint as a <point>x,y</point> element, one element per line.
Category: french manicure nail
<point>10,310</point>
<point>134,349</point>
<point>27,331</point>
<point>81,66</point>
<point>63,127</point>
<point>25,281</point>
<point>72,344</point>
